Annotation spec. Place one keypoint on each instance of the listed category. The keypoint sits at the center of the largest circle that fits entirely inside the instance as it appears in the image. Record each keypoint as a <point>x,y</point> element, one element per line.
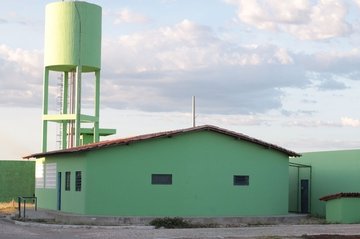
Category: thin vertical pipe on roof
<point>193,111</point>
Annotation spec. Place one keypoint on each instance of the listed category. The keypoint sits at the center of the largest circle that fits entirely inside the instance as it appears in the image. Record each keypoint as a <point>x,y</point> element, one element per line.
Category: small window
<point>241,180</point>
<point>67,181</point>
<point>78,181</point>
<point>161,179</point>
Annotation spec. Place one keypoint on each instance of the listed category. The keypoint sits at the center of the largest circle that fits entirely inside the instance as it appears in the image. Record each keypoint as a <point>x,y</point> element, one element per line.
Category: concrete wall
<point>293,189</point>
<point>332,172</point>
<point>343,210</point>
<point>16,179</point>
<point>117,180</point>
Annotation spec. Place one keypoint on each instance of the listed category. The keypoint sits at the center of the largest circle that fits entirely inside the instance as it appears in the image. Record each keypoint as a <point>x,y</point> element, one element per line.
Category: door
<point>59,191</point>
<point>304,196</point>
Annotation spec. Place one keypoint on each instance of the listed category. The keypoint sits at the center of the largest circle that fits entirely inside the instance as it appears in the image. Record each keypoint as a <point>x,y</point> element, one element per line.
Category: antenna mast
<point>193,111</point>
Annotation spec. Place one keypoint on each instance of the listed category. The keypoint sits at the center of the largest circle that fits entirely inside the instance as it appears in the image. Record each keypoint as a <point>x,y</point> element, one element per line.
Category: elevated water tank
<point>72,36</point>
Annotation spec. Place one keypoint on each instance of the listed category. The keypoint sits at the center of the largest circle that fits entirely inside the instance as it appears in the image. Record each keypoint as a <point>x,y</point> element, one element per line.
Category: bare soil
<point>331,237</point>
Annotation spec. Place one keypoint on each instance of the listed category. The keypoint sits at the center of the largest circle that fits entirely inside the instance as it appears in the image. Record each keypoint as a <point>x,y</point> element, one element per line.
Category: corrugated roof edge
<point>340,195</point>
<point>129,140</point>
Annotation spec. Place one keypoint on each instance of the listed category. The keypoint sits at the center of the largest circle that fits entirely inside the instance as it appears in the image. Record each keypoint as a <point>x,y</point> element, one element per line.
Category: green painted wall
<point>332,172</point>
<point>46,198</point>
<point>202,164</point>
<point>72,200</point>
<point>16,179</point>
<point>117,180</point>
<point>343,210</point>
<point>293,189</point>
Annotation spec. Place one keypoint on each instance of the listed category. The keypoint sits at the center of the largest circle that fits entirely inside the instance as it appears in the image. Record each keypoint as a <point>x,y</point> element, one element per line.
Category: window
<point>241,180</point>
<point>165,179</point>
<point>78,181</point>
<point>67,181</point>
<point>50,175</point>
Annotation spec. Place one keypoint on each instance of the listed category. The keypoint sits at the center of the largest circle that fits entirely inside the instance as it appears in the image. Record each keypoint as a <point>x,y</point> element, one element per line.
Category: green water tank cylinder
<point>72,36</point>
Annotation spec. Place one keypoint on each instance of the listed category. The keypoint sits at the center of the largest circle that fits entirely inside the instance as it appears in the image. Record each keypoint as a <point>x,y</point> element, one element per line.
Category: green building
<point>342,207</point>
<point>201,171</point>
<point>326,173</point>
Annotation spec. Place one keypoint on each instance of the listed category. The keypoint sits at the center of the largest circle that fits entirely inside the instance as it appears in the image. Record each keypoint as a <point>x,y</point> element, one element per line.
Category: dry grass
<point>8,207</point>
<point>12,207</point>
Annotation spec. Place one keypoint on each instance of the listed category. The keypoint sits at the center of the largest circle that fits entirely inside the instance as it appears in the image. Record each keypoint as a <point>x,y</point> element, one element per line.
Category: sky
<point>286,72</point>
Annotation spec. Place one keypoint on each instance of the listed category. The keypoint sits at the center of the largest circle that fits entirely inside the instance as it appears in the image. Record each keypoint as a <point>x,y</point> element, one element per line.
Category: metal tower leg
<point>45,109</point>
<point>97,106</point>
<point>78,106</point>
<point>65,109</point>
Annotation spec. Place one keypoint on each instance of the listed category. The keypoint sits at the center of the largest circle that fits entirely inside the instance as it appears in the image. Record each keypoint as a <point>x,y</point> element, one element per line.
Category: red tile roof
<point>115,142</point>
<point>340,195</point>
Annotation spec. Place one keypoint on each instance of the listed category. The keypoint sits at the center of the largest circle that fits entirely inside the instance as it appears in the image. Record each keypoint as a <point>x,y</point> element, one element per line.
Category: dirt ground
<point>332,237</point>
<point>23,230</point>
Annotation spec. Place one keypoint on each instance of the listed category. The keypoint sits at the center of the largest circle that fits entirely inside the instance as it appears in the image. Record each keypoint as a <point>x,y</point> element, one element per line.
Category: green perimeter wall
<point>332,172</point>
<point>16,179</point>
<point>117,180</point>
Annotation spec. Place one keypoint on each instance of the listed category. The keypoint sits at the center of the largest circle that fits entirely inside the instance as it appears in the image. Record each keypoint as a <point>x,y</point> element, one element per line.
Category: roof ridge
<point>127,140</point>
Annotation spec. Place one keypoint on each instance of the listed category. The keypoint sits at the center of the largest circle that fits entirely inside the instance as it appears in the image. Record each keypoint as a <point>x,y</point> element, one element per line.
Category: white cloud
<point>313,123</point>
<point>160,69</point>
<point>291,12</point>
<point>357,2</point>
<point>28,62</point>
<point>347,121</point>
<point>327,20</point>
<point>230,120</point>
<point>344,63</point>
<point>267,14</point>
<point>302,18</point>
<point>21,76</point>
<point>170,64</point>
<point>185,46</point>
<point>283,56</point>
<point>128,16</point>
<point>344,122</point>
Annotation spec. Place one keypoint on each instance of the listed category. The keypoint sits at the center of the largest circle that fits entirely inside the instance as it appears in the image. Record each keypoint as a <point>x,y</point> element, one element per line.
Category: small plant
<point>167,222</point>
<point>178,222</point>
<point>260,224</point>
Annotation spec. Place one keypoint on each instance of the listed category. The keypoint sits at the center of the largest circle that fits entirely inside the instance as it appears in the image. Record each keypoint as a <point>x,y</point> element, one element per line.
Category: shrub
<point>167,222</point>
